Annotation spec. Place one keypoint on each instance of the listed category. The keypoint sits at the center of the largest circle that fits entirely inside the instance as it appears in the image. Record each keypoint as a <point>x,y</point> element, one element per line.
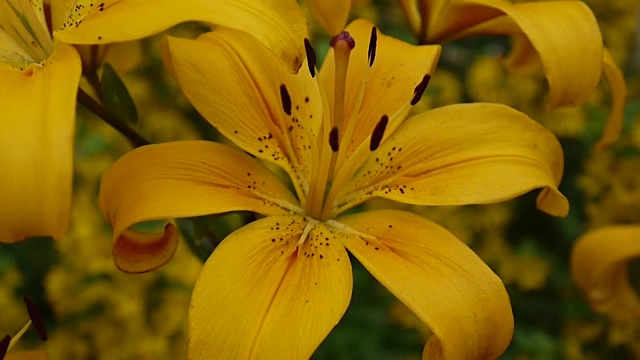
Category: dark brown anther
<point>286,99</point>
<point>4,345</point>
<point>420,88</point>
<point>373,44</point>
<point>343,37</point>
<point>378,133</point>
<point>311,57</point>
<point>334,139</point>
<point>36,318</point>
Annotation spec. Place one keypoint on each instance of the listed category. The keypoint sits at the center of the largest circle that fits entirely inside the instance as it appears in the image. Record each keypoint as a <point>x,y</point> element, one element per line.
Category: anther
<point>311,57</point>
<point>378,133</point>
<point>420,88</point>
<point>4,345</point>
<point>286,99</point>
<point>36,318</point>
<point>373,43</point>
<point>334,140</point>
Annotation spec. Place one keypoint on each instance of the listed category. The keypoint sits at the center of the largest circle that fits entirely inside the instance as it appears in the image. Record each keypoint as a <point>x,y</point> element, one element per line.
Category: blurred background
<point>94,311</point>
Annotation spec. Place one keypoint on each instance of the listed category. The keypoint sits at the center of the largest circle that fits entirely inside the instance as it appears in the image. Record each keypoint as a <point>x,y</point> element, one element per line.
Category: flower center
<point>24,35</point>
<point>345,143</point>
<point>337,129</point>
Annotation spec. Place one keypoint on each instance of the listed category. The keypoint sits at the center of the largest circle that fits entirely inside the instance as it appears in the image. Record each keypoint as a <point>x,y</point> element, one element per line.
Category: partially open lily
<point>599,265</point>
<point>277,286</point>
<point>563,34</point>
<point>40,74</point>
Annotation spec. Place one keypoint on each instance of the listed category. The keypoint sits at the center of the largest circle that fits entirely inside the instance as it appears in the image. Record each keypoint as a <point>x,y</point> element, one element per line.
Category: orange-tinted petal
<point>615,78</point>
<point>462,154</point>
<point>36,146</point>
<point>240,87</point>
<point>398,67</point>
<point>599,261</point>
<point>279,24</point>
<point>263,295</point>
<point>181,179</point>
<point>439,278</point>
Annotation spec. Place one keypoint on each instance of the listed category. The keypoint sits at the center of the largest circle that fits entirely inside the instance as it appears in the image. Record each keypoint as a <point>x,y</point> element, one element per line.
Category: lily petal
<point>279,24</point>
<point>398,67</point>
<point>181,179</point>
<point>439,278</point>
<point>615,78</point>
<point>463,154</point>
<point>599,261</point>
<point>565,35</point>
<point>36,136</point>
<point>262,294</point>
<point>331,14</point>
<point>240,87</point>
<point>411,12</point>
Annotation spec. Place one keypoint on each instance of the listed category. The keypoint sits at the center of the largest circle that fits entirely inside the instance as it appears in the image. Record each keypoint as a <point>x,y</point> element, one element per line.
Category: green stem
<point>133,136</point>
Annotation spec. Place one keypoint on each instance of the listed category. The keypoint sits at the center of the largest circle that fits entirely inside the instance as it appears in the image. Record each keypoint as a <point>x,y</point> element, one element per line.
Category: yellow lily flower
<point>40,74</point>
<point>277,286</point>
<point>564,35</point>
<point>599,261</point>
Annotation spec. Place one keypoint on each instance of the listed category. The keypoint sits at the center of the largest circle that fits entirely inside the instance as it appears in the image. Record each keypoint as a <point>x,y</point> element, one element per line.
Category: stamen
<point>4,345</point>
<point>373,44</point>
<point>378,133</point>
<point>286,99</point>
<point>14,340</point>
<point>311,57</point>
<point>307,229</point>
<point>334,139</point>
<point>420,88</point>
<point>36,318</point>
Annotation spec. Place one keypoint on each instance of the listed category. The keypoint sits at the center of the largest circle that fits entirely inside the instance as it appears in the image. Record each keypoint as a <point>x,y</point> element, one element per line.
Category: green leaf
<point>203,233</point>
<point>115,96</point>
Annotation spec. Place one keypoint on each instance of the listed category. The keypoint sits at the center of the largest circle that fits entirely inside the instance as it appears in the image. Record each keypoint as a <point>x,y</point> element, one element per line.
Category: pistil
<point>342,45</point>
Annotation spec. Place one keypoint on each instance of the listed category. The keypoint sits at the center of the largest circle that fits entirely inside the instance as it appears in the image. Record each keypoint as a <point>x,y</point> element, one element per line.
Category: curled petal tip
<point>137,252</point>
<point>432,349</point>
<point>615,122</point>
<point>553,202</point>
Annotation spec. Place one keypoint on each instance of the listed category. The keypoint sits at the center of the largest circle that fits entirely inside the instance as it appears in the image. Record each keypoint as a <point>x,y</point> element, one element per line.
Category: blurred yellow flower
<point>277,286</point>
<point>40,72</point>
<point>599,262</point>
